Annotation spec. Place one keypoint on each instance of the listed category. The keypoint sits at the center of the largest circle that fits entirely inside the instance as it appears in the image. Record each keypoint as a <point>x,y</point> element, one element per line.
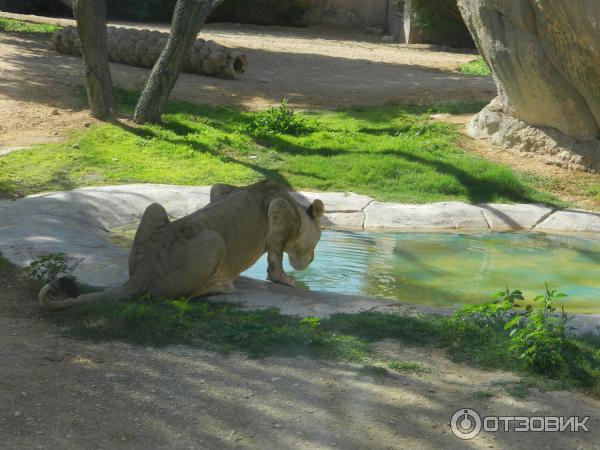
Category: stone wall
<point>357,14</point>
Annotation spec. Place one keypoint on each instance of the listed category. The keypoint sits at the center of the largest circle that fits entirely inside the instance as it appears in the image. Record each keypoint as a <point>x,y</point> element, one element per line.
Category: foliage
<point>47,268</point>
<point>393,153</point>
<point>278,120</point>
<point>441,22</point>
<point>476,67</point>
<point>26,27</point>
<point>538,335</point>
<point>488,314</point>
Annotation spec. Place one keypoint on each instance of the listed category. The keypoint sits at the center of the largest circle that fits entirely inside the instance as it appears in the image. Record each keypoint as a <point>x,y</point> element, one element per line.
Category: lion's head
<point>301,251</point>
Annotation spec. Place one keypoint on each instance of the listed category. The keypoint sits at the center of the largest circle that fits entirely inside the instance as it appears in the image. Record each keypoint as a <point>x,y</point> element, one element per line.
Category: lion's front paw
<point>283,278</point>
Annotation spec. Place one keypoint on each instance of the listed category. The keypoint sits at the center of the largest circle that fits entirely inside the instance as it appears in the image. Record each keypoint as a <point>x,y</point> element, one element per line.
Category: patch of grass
<point>19,26</point>
<point>408,367</point>
<point>476,67</point>
<point>593,191</point>
<point>483,395</point>
<point>393,153</point>
<point>371,370</point>
<point>4,264</point>
<point>348,337</point>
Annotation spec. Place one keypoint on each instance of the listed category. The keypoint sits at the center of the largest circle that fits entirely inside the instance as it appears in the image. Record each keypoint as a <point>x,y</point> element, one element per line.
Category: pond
<point>447,269</point>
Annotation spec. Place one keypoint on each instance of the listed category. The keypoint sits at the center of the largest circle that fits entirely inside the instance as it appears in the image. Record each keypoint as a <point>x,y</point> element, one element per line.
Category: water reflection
<point>448,269</point>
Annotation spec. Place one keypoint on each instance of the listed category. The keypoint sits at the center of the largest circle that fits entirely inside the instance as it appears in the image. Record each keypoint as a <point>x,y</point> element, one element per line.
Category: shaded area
<point>308,80</point>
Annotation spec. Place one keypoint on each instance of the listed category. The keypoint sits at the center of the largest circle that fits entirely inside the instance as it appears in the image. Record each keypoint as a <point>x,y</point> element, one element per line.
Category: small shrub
<point>490,314</point>
<point>476,67</point>
<point>47,268</point>
<point>278,120</point>
<point>539,336</point>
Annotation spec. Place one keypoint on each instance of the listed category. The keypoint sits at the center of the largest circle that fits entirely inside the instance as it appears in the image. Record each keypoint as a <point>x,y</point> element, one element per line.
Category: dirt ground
<point>313,68</point>
<point>59,393</point>
<point>568,185</point>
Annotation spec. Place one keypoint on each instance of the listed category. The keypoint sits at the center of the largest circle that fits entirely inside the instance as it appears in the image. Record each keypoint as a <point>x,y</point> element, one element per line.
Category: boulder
<point>545,59</point>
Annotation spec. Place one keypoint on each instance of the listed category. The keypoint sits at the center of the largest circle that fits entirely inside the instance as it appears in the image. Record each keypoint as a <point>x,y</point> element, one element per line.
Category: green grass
<point>408,367</point>
<point>347,337</point>
<point>26,27</point>
<point>392,153</point>
<point>483,395</point>
<point>476,67</point>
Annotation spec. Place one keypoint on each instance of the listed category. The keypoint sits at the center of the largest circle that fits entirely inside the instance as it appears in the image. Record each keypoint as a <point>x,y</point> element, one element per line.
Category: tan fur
<point>206,251</point>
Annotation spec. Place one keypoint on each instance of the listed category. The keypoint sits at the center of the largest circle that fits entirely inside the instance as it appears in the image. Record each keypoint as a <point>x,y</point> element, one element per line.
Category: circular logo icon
<point>465,423</point>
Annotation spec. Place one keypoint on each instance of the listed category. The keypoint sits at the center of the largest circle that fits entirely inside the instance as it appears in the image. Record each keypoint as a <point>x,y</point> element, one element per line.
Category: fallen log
<point>142,48</point>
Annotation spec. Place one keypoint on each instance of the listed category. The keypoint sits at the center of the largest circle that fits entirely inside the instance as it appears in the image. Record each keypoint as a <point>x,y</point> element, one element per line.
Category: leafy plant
<point>539,336</point>
<point>489,314</point>
<point>47,268</point>
<point>278,120</point>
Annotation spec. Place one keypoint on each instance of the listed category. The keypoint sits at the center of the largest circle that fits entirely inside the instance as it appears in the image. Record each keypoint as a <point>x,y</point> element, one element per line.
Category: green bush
<point>441,23</point>
<point>476,67</point>
<point>278,120</point>
<point>537,335</point>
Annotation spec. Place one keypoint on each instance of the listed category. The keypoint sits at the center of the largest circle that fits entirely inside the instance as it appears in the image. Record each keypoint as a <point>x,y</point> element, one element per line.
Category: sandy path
<point>39,96</point>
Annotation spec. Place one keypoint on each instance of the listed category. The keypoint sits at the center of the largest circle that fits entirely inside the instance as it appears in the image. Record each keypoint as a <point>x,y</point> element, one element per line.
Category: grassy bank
<point>348,337</point>
<point>392,153</point>
<point>18,26</point>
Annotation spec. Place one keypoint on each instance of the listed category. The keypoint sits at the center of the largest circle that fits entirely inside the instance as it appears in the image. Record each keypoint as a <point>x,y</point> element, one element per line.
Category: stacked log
<point>142,48</point>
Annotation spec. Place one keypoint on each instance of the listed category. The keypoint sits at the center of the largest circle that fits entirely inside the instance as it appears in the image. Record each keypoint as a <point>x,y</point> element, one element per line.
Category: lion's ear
<point>316,209</point>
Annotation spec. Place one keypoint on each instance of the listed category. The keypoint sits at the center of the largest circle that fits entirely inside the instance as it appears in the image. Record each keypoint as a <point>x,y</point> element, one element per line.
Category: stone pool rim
<point>78,223</point>
<point>348,211</point>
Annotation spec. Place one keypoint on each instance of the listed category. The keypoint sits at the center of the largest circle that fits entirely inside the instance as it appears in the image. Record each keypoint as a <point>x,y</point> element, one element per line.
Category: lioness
<point>204,252</point>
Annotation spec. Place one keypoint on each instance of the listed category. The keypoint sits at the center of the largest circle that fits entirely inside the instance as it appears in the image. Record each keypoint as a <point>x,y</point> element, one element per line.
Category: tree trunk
<point>545,59</point>
<point>188,18</point>
<point>91,24</point>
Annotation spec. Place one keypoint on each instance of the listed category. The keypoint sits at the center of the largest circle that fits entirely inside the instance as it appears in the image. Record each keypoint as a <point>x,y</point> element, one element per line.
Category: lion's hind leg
<point>198,267</point>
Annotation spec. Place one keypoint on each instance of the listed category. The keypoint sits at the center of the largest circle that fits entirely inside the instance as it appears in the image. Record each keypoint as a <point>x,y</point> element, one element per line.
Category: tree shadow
<point>308,80</point>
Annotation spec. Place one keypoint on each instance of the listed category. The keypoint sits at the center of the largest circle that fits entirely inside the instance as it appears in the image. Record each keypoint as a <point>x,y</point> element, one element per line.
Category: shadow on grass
<point>478,182</point>
<point>349,337</point>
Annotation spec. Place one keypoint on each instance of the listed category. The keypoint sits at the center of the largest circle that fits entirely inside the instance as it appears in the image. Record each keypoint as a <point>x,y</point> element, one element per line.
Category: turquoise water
<point>446,269</point>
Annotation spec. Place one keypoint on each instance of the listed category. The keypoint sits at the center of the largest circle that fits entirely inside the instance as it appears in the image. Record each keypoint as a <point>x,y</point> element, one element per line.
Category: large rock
<point>545,59</point>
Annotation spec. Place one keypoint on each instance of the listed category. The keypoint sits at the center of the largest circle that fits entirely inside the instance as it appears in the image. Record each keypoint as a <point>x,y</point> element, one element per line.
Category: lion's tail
<point>125,290</point>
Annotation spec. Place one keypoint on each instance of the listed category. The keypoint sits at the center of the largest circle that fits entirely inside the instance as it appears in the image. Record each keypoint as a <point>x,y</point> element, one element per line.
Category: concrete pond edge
<point>78,223</point>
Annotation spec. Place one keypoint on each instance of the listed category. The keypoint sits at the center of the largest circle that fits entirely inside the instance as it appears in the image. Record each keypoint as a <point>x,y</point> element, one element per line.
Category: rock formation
<point>545,59</point>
